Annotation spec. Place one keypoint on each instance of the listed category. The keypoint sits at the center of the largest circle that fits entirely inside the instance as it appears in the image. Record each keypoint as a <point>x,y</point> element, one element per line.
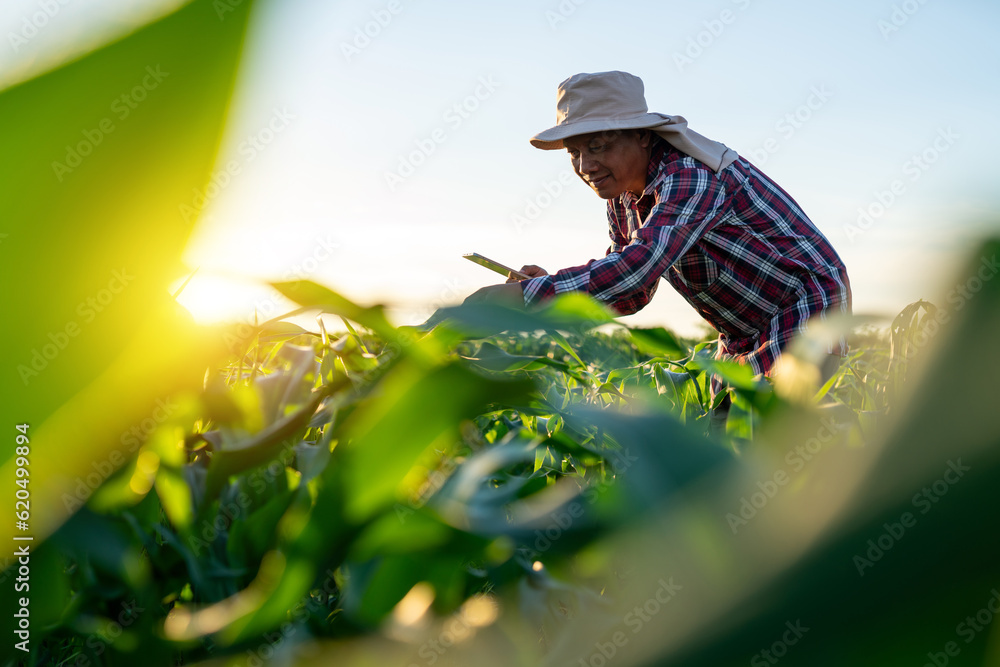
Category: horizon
<point>360,148</point>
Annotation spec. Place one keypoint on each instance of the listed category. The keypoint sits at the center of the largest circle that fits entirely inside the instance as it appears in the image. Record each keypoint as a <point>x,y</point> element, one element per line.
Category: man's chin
<point>606,193</point>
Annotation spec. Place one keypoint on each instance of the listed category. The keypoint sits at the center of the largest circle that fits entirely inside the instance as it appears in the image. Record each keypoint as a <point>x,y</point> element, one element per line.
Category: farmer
<point>690,210</point>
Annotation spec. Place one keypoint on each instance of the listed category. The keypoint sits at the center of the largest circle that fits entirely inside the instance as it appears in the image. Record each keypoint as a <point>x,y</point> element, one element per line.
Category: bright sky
<point>833,100</point>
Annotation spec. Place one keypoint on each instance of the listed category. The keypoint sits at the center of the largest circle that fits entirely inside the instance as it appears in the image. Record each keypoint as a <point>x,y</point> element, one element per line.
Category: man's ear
<point>645,138</point>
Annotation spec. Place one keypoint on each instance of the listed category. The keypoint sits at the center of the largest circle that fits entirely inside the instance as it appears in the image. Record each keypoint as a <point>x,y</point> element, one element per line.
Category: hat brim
<point>552,138</point>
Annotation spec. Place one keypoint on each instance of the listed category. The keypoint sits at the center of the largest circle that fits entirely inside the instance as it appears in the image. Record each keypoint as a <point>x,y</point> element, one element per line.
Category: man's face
<point>611,162</point>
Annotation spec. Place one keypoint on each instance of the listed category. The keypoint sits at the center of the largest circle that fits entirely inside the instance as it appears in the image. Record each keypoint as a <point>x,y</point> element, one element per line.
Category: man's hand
<point>510,295</point>
<point>529,270</point>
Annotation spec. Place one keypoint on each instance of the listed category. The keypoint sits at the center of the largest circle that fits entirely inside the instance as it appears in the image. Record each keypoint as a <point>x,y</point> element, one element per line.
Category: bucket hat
<point>603,101</point>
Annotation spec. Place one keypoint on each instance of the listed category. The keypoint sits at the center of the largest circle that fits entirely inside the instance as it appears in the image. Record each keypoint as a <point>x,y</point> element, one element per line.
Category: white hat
<point>604,101</point>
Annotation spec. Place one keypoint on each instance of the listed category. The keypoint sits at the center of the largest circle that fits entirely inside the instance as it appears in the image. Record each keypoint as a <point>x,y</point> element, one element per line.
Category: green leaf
<point>493,358</point>
<point>568,312</point>
<point>657,341</point>
<point>175,496</point>
<point>252,536</point>
<point>103,158</point>
<point>383,438</point>
<point>312,295</point>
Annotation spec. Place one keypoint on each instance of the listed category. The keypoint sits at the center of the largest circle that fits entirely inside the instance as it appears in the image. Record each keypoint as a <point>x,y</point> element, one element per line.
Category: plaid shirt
<point>734,244</point>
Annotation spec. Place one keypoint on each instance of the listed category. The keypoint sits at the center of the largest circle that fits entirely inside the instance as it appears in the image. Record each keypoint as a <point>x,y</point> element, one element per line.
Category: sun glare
<point>212,299</point>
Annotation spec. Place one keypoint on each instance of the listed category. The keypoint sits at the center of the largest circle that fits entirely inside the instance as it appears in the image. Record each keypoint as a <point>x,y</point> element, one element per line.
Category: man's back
<point>755,253</point>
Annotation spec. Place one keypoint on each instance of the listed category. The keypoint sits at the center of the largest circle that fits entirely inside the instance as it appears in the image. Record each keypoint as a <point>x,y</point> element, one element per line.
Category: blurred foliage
<point>534,488</point>
<point>101,156</point>
<point>520,488</point>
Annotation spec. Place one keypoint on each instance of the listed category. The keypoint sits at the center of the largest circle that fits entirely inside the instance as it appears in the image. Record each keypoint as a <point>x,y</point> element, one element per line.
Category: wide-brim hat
<point>603,101</point>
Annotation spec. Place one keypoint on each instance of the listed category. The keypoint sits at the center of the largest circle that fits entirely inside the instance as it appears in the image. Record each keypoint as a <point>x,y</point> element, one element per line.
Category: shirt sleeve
<point>689,202</point>
<point>617,230</point>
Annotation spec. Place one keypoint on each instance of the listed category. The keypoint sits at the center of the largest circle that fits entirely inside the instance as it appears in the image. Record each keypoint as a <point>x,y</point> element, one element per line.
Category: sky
<point>375,142</point>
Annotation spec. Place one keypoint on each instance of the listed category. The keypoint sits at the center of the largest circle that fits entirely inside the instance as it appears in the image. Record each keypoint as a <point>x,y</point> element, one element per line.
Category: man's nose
<point>587,165</point>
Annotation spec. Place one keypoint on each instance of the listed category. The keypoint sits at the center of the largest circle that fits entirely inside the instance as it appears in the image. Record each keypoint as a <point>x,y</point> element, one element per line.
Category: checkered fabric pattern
<point>737,247</point>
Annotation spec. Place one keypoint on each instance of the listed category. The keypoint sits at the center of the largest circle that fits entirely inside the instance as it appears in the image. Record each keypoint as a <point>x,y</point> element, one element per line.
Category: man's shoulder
<point>678,172</point>
<point>671,161</point>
